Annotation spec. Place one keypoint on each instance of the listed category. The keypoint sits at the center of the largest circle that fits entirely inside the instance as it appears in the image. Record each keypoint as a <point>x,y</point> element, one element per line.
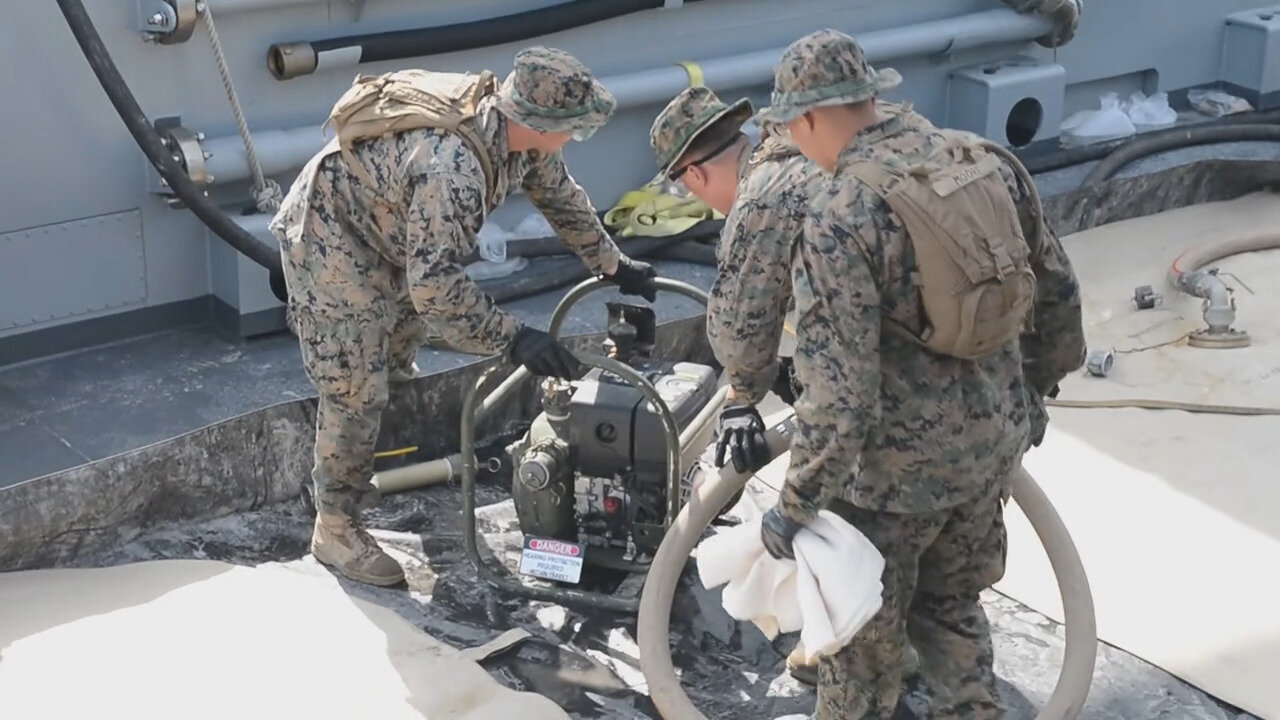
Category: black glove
<point>785,385</point>
<point>544,355</point>
<point>777,532</point>
<point>741,436</point>
<point>635,277</point>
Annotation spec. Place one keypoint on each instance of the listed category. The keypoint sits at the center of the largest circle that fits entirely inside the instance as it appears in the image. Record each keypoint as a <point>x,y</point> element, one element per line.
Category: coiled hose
<point>704,503</point>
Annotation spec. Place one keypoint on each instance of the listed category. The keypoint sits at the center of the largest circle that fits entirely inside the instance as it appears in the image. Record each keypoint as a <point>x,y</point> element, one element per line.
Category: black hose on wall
<point>1174,139</point>
<point>140,128</point>
<point>419,42</point>
<point>1057,160</point>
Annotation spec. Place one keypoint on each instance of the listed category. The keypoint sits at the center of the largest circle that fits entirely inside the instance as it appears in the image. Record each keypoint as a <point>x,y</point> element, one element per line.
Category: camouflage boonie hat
<point>550,90</point>
<point>695,109</point>
<point>823,68</point>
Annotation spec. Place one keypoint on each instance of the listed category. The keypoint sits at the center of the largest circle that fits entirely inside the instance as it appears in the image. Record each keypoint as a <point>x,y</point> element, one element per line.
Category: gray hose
<point>1200,256</point>
<point>1172,139</point>
<point>704,503</point>
<point>1149,404</point>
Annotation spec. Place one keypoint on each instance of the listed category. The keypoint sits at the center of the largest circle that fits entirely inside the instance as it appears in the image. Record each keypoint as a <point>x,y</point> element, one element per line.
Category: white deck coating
<point>198,639</point>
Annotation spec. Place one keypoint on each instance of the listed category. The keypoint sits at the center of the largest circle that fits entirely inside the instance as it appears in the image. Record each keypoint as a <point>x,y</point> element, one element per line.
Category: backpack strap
<point>878,178</point>
<point>376,106</point>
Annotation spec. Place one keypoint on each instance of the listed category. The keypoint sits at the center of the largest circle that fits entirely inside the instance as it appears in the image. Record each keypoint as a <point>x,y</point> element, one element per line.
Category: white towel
<point>828,592</point>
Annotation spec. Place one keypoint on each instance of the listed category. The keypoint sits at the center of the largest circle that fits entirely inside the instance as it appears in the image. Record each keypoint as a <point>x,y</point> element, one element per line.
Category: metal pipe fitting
<point>1219,305</point>
<point>186,149</point>
<point>1100,362</point>
<point>289,60</point>
<point>167,22</point>
<point>420,475</point>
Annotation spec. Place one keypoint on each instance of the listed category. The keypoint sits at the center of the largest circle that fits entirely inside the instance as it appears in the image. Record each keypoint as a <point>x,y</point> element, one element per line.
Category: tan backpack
<point>976,285</point>
<point>409,100</point>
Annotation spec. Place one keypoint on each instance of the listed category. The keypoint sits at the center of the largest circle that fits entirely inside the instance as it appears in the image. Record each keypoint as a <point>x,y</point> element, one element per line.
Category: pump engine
<point>592,468</point>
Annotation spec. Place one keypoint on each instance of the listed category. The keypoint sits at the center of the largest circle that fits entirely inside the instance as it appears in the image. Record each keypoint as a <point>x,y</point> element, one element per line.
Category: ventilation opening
<point>1024,122</point>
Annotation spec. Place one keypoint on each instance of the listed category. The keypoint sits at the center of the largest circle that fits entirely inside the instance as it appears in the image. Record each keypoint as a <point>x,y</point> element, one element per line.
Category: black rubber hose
<point>420,42</point>
<point>690,252</point>
<point>1184,137</point>
<point>140,128</point>
<point>551,272</point>
<point>1080,155</point>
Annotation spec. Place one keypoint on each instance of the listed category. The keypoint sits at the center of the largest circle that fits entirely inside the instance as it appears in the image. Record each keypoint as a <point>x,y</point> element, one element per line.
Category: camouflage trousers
<point>931,622</point>
<point>347,361</point>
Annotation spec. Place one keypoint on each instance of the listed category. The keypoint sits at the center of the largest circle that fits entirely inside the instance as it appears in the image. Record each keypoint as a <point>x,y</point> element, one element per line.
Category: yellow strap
<point>395,453</point>
<point>694,71</point>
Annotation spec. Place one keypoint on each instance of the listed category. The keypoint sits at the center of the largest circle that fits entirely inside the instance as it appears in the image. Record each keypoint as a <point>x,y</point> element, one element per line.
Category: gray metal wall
<point>82,238</point>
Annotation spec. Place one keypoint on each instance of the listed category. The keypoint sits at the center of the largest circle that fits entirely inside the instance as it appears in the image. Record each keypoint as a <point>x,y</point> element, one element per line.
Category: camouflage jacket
<point>752,290</point>
<point>882,422</point>
<point>349,253</point>
<point>751,297</point>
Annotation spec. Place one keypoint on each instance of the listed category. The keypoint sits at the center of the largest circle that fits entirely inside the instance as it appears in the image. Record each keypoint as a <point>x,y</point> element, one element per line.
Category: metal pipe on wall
<point>964,32</point>
<point>230,6</point>
<point>282,150</point>
<point>278,151</point>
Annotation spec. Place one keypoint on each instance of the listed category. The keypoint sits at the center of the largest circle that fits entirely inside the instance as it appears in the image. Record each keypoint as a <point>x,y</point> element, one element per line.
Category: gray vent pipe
<point>283,150</point>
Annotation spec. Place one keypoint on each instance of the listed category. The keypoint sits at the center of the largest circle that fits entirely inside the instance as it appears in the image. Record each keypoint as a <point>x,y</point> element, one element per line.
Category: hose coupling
<point>289,60</point>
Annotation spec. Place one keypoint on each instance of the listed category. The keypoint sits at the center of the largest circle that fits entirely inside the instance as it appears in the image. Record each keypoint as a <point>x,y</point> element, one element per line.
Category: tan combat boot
<point>802,671</point>
<point>343,545</point>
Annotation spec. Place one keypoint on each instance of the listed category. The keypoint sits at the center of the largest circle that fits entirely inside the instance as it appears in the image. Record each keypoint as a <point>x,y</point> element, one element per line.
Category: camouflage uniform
<point>369,280</point>
<point>752,290</point>
<point>915,448</point>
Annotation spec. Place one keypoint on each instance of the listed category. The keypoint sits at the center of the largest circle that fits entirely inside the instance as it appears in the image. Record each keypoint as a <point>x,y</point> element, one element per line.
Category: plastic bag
<point>1216,103</point>
<point>1109,122</point>
<point>1148,112</point>
<point>534,225</point>
<point>489,270</point>
<point>492,241</point>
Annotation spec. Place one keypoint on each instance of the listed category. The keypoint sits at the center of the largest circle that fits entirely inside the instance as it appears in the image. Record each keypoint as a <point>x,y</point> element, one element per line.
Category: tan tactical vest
<point>976,284</point>
<point>409,100</point>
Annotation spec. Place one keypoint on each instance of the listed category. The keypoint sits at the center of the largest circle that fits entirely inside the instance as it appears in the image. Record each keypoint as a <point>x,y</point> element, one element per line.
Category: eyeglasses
<point>583,134</point>
<point>675,175</point>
